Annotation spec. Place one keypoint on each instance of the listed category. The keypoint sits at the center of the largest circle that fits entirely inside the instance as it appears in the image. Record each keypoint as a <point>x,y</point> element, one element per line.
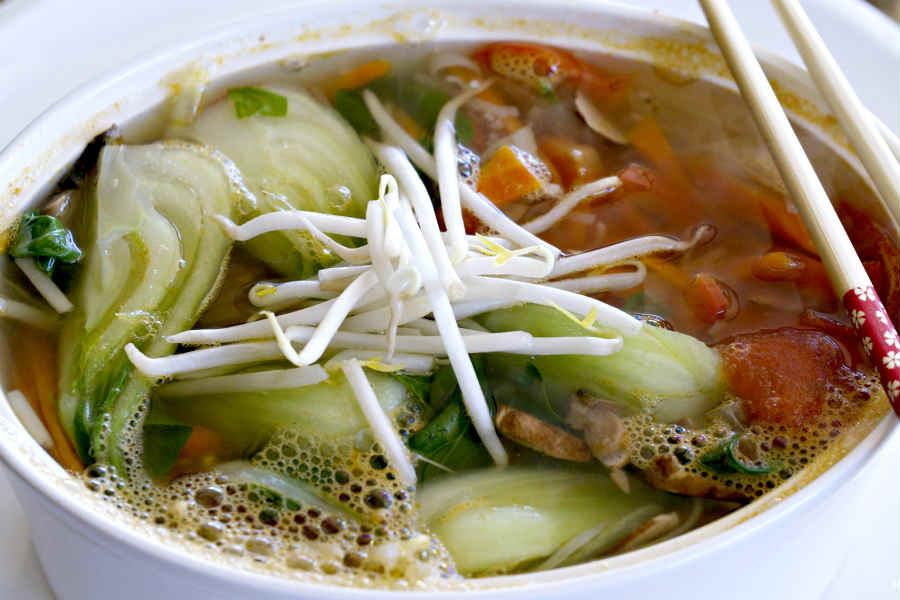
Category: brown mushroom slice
<point>667,474</point>
<point>603,432</point>
<point>540,436</point>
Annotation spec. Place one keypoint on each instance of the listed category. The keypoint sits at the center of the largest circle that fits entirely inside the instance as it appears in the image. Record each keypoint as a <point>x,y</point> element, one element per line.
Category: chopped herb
<point>723,460</point>
<point>44,238</point>
<point>249,101</point>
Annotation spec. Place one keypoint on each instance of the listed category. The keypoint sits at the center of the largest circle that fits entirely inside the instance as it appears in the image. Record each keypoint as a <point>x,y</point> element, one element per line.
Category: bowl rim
<point>662,556</point>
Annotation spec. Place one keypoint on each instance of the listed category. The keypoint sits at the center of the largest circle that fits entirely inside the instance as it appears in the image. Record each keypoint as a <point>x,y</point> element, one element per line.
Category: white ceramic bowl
<point>88,554</point>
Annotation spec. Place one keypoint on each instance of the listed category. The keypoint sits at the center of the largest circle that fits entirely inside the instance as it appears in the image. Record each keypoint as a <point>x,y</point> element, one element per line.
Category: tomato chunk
<point>781,374</point>
<point>539,67</point>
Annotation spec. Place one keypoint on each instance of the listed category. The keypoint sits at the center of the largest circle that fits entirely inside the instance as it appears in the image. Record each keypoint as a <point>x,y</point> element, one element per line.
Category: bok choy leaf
<point>155,259</point>
<point>44,238</point>
<point>246,420</point>
<point>503,520</point>
<point>308,159</point>
<point>449,439</point>
<point>669,374</point>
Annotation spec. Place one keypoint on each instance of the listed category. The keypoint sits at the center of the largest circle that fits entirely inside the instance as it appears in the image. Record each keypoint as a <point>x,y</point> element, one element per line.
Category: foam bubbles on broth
<point>371,538</point>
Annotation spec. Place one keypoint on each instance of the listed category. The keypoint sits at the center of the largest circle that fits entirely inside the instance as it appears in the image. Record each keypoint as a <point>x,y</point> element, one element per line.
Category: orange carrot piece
<point>576,163</point>
<point>45,377</point>
<point>35,376</point>
<point>786,226</point>
<point>507,176</point>
<point>407,122</point>
<point>202,442</point>
<point>651,141</point>
<point>359,76</point>
<point>706,298</point>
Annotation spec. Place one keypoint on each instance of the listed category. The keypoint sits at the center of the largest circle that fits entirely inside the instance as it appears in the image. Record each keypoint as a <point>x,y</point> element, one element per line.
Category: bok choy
<point>500,520</point>
<point>247,419</point>
<point>308,159</point>
<point>669,374</point>
<point>154,260</point>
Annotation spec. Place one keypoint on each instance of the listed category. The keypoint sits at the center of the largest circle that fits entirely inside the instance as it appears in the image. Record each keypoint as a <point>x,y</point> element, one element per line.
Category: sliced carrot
<point>785,226</point>
<point>509,175</point>
<point>202,441</point>
<point>34,374</point>
<point>407,122</point>
<point>45,377</point>
<point>706,298</point>
<point>576,163</point>
<point>651,141</point>
<point>359,76</point>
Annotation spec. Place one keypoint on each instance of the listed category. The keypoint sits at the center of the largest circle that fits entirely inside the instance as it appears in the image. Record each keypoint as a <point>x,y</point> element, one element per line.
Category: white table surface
<point>49,47</point>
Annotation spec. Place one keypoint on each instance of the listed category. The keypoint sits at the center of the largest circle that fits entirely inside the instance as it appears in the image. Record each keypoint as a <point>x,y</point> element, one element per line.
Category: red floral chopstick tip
<point>878,337</point>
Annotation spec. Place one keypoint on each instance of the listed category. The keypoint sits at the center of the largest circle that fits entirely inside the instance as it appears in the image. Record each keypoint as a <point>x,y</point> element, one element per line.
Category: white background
<point>49,47</point>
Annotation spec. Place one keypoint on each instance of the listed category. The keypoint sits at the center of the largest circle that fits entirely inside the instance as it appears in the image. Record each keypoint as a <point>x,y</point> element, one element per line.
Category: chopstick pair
<point>849,279</point>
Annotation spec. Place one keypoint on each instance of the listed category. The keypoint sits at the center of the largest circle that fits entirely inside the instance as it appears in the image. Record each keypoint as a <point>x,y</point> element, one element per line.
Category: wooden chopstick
<point>855,120</point>
<point>848,276</point>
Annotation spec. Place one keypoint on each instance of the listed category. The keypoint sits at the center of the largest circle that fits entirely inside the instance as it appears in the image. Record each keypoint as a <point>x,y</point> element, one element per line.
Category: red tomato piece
<point>781,374</point>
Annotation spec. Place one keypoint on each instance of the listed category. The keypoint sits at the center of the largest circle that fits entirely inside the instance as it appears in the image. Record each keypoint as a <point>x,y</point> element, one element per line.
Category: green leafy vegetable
<point>449,439</point>
<point>419,100</point>
<point>503,520</point>
<point>318,164</point>
<point>164,438</point>
<point>352,107</point>
<point>723,460</point>
<point>249,101</point>
<point>418,386</point>
<point>155,260</point>
<point>44,238</point>
<point>669,374</point>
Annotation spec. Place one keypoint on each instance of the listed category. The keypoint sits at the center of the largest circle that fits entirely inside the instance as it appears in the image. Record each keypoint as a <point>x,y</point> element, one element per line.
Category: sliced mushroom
<point>666,473</point>
<point>596,120</point>
<point>603,431</point>
<point>531,432</point>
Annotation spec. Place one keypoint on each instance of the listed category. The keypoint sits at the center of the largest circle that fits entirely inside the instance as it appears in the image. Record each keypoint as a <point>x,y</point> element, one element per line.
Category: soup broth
<point>237,238</point>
